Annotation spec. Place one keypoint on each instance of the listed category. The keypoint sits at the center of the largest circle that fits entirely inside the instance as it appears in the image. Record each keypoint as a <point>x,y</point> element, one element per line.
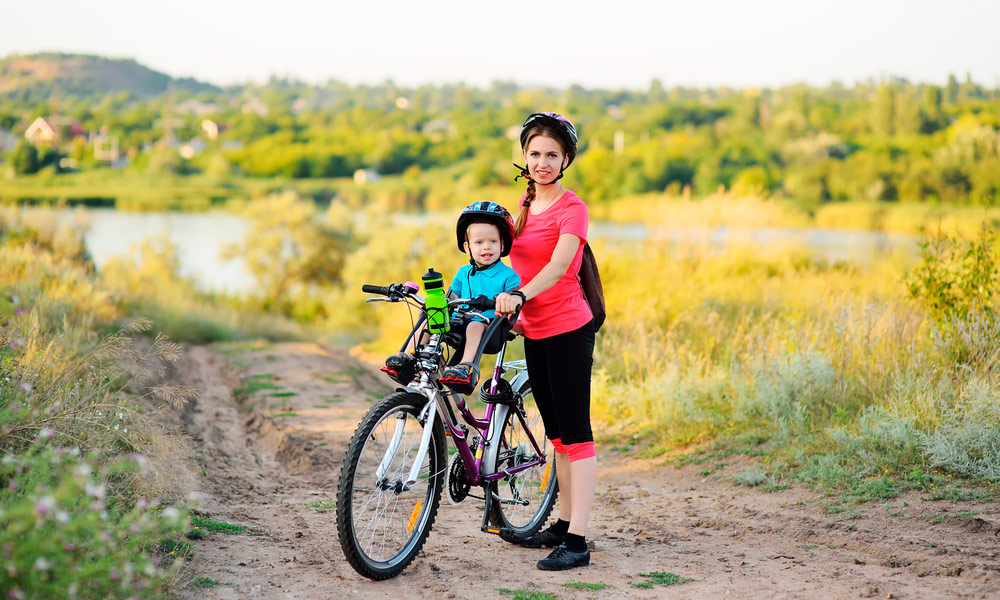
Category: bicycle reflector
<point>436,303</point>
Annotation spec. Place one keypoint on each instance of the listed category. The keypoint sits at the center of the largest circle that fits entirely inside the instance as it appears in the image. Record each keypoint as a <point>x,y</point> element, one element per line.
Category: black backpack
<point>590,283</point>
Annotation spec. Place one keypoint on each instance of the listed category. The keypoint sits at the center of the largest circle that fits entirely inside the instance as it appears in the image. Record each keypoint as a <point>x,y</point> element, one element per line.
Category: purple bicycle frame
<point>474,464</point>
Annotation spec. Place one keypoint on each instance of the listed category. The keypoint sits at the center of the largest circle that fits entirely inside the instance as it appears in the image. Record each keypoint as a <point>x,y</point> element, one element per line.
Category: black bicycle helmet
<point>557,122</point>
<point>486,212</point>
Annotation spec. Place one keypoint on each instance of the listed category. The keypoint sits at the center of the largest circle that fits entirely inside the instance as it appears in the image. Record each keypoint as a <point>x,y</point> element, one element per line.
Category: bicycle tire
<point>380,541</point>
<point>537,485</point>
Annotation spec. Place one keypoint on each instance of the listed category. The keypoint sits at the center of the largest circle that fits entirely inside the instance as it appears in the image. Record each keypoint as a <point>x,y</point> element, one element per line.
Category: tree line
<point>891,140</point>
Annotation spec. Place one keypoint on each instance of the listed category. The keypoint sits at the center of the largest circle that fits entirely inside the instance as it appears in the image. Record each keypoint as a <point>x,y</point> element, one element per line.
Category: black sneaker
<point>542,539</point>
<point>563,558</point>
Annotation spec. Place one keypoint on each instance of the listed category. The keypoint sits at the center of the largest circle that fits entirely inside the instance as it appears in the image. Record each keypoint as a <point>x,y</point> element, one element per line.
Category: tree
<point>288,250</point>
<point>24,159</point>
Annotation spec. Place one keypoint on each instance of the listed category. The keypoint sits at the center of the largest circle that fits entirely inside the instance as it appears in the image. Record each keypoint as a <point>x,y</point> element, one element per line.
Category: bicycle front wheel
<point>524,500</point>
<point>382,522</point>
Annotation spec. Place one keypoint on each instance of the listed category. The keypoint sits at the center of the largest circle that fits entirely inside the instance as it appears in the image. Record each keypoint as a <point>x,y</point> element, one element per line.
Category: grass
<point>283,394</point>
<point>524,594</point>
<point>287,414</point>
<point>252,384</point>
<point>219,527</point>
<point>591,587</point>
<point>323,506</point>
<point>660,578</point>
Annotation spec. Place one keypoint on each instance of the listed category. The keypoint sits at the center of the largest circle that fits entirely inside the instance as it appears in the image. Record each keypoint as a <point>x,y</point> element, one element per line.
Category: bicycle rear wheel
<point>381,524</point>
<point>524,500</point>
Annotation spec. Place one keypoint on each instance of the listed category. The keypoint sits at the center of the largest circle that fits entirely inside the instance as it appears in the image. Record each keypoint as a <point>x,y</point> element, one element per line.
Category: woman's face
<point>545,158</point>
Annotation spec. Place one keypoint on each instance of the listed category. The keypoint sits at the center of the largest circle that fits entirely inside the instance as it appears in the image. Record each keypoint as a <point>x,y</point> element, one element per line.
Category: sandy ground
<point>274,474</point>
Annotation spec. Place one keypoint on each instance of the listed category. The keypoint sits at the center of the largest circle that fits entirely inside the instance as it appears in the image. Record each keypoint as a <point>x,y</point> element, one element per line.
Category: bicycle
<point>395,468</point>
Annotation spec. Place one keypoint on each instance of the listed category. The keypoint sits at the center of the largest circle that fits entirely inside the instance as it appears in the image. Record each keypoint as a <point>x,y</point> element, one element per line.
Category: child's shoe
<point>462,377</point>
<point>400,367</point>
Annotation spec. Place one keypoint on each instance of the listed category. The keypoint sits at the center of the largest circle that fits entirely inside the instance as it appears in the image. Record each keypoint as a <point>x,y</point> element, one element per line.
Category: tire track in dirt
<point>263,470</point>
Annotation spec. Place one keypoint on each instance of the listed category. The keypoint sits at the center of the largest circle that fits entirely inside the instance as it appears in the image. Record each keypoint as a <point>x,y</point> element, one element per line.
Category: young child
<point>485,231</point>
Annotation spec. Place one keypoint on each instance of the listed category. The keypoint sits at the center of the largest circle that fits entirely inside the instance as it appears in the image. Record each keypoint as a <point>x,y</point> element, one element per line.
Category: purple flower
<point>26,387</point>
<point>69,548</point>
<point>19,312</point>
<point>105,536</point>
<point>45,504</point>
<point>142,503</point>
<point>134,528</point>
<point>114,575</point>
<point>12,485</point>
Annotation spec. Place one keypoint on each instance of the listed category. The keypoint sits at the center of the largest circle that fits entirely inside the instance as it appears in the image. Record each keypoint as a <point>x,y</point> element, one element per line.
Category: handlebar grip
<point>375,289</point>
<point>482,303</point>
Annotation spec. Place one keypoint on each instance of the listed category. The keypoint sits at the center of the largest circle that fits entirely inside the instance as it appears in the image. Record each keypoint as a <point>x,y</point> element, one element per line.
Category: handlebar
<point>397,291</point>
<point>383,290</point>
<point>477,303</point>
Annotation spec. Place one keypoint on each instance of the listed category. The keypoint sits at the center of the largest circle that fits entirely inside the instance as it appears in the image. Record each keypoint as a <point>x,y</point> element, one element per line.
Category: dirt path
<point>277,475</point>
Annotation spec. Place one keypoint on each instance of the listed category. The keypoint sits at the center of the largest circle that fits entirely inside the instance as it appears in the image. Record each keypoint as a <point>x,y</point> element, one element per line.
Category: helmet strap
<point>526,175</point>
<point>476,268</point>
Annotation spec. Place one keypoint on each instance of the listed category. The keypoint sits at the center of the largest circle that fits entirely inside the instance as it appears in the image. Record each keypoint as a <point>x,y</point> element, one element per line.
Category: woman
<point>558,328</point>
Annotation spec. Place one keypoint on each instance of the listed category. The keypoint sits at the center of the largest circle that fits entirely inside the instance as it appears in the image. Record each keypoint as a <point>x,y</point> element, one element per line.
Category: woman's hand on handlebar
<point>507,303</point>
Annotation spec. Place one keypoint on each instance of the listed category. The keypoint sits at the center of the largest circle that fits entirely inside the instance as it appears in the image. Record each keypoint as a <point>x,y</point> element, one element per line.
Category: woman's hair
<point>529,195</point>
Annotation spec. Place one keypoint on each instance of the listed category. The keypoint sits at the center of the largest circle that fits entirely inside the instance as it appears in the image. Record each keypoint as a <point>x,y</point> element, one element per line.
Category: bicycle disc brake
<point>458,488</point>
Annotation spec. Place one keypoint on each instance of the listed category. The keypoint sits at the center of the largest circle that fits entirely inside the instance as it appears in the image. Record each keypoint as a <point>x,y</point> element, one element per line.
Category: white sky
<point>613,43</point>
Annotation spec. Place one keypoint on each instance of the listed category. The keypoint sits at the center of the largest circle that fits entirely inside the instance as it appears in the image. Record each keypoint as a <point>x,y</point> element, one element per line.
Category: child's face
<point>482,242</point>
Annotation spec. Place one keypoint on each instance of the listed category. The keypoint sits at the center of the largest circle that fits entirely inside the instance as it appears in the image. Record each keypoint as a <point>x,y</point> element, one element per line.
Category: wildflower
<point>114,576</point>
<point>83,470</point>
<point>12,485</point>
<point>142,503</point>
<point>69,547</point>
<point>16,594</point>
<point>26,387</point>
<point>62,516</point>
<point>105,536</point>
<point>45,505</point>
<point>134,528</point>
<point>96,491</point>
<point>171,513</point>
<point>42,564</point>
<point>45,433</point>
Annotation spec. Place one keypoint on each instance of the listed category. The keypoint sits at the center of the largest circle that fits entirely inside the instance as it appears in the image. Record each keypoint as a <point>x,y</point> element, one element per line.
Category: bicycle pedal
<point>462,388</point>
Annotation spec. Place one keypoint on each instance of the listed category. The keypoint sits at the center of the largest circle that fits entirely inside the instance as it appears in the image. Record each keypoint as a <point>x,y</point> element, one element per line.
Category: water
<point>200,238</point>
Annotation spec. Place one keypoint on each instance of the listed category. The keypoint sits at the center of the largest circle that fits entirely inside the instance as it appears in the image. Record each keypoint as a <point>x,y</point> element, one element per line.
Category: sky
<point>609,44</point>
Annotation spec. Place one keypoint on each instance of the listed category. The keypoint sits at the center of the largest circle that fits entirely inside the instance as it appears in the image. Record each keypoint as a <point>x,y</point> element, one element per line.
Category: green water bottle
<point>436,303</point>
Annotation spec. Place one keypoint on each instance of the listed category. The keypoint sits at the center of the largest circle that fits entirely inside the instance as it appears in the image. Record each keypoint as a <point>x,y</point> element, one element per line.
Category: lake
<point>200,237</point>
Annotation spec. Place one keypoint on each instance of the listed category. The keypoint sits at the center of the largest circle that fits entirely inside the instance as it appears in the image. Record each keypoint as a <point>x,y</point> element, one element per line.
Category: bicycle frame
<point>488,427</point>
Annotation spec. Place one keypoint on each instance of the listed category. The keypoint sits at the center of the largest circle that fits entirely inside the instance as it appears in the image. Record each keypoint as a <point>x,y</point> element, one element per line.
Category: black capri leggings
<point>559,368</point>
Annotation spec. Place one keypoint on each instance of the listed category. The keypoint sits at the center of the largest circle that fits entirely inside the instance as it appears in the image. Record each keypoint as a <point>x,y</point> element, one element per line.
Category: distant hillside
<point>41,75</point>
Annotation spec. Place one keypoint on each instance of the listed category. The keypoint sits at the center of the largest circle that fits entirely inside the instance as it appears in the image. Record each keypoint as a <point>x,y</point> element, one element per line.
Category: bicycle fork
<point>427,418</point>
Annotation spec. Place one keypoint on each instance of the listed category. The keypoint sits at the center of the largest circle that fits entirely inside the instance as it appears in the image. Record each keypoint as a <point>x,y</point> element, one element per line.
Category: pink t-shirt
<point>561,308</point>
